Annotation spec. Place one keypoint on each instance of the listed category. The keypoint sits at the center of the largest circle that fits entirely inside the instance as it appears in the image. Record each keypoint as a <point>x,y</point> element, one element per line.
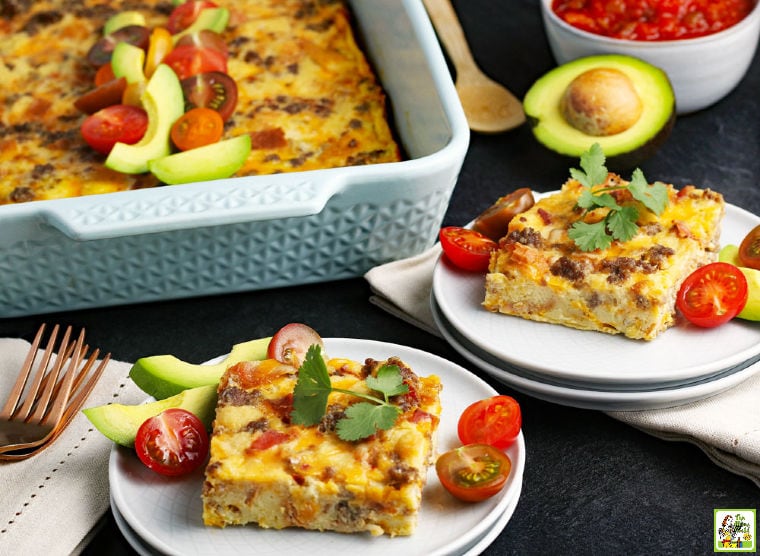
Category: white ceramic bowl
<point>702,70</point>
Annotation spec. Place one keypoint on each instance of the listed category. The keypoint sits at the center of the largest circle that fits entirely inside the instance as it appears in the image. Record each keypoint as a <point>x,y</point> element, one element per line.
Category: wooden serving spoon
<point>488,106</point>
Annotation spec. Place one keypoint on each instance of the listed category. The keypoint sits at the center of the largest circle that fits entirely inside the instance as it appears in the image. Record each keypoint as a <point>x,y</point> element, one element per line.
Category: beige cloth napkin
<point>52,501</point>
<point>725,426</point>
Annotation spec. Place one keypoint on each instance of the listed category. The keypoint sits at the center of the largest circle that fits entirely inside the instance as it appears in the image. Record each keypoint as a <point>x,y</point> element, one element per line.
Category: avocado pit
<point>601,102</point>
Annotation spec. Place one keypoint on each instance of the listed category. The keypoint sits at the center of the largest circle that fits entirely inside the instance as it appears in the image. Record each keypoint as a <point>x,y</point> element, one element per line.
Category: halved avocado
<point>623,103</point>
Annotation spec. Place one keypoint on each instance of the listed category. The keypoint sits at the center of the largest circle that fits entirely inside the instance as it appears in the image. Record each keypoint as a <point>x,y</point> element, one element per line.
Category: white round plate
<point>682,354</point>
<point>166,512</point>
<point>478,546</point>
<point>602,400</point>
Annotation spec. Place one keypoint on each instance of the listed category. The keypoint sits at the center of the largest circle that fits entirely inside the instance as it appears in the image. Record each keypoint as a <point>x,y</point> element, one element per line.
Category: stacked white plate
<point>591,369</point>
<point>161,515</point>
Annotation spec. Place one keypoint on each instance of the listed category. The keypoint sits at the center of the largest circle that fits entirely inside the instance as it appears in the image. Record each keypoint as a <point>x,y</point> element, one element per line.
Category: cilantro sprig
<point>620,220</point>
<point>362,419</point>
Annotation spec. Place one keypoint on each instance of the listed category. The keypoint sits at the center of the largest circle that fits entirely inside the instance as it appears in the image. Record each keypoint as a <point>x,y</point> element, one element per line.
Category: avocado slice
<point>123,19</point>
<point>120,422</point>
<point>210,162</point>
<point>642,96</point>
<point>164,103</point>
<point>127,61</point>
<point>163,376</point>
<point>751,311</point>
<point>213,19</point>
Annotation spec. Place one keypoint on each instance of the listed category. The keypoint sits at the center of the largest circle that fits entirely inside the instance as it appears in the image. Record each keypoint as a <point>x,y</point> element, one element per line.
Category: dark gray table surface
<point>591,484</point>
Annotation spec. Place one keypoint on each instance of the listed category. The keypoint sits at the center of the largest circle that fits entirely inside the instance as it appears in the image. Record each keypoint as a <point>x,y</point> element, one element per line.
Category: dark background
<point>591,484</point>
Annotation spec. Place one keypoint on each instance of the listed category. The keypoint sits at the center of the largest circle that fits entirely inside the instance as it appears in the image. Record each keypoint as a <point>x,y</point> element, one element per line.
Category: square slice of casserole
<point>630,288</point>
<point>266,470</point>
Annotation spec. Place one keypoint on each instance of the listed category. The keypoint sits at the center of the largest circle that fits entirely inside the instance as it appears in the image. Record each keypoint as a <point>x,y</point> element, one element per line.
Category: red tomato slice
<point>189,60</point>
<point>749,250</point>
<point>473,472</point>
<point>467,249</point>
<point>291,342</point>
<point>713,294</point>
<point>495,421</point>
<point>184,15</point>
<point>174,442</point>
<point>119,123</point>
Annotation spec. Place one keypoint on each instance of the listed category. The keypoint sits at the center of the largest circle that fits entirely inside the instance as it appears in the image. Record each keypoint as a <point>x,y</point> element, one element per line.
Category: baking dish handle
<point>193,205</point>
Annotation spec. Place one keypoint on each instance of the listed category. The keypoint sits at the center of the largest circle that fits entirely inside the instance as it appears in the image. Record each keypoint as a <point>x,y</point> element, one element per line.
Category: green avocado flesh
<point>210,162</point>
<point>127,61</point>
<point>162,376</point>
<point>123,19</point>
<point>164,102</point>
<point>120,423</point>
<point>213,19</point>
<point>542,108</point>
<point>751,311</point>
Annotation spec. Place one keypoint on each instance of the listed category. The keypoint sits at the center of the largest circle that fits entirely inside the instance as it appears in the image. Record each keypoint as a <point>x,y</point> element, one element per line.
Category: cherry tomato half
<point>473,472</point>
<point>196,128</point>
<point>102,96</point>
<point>495,421</point>
<point>118,123</point>
<point>100,52</point>
<point>713,294</point>
<point>104,74</point>
<point>190,60</point>
<point>212,89</point>
<point>184,15</point>
<point>467,249</point>
<point>205,38</point>
<point>174,442</point>
<point>749,249</point>
<point>291,342</point>
<point>493,221</point>
<point>159,46</point>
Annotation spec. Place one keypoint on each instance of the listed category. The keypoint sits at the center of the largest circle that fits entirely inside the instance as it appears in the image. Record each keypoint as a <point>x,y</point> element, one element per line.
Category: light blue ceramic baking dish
<point>255,232</point>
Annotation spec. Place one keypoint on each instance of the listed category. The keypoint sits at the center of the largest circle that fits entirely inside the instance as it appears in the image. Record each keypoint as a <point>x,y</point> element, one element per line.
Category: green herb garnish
<point>362,419</point>
<point>620,221</point>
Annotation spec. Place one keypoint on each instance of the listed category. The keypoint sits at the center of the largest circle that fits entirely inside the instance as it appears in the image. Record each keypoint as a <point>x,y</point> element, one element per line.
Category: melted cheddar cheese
<point>538,272</point>
<point>264,469</point>
<point>306,93</point>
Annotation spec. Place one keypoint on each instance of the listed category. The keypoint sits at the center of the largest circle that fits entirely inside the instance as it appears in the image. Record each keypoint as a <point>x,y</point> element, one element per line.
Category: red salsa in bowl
<point>652,20</point>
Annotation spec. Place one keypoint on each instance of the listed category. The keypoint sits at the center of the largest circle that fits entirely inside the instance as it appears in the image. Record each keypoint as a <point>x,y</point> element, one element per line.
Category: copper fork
<point>40,406</point>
